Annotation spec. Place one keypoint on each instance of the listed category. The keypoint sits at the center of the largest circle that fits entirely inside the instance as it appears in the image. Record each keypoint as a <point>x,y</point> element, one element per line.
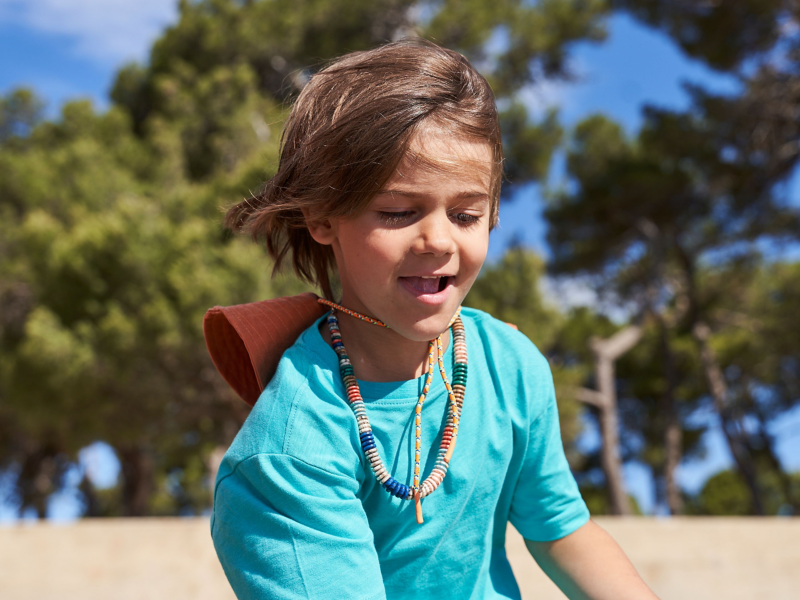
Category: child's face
<point>411,257</point>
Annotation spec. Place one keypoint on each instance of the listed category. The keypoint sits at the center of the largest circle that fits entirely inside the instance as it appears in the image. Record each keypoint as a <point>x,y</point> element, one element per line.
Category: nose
<point>435,235</point>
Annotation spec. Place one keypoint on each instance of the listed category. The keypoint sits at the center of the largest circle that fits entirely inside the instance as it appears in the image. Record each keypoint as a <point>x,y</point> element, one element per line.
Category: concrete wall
<point>155,559</point>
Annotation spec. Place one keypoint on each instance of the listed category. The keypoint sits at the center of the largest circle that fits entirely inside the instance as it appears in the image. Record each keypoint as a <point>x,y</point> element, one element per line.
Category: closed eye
<point>466,218</point>
<point>395,218</point>
<point>400,217</point>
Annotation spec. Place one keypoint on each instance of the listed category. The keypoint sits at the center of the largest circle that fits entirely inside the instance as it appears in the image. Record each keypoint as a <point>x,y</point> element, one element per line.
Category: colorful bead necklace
<point>455,394</point>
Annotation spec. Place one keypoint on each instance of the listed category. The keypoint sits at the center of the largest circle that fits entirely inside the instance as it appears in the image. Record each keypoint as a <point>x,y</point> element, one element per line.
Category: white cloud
<point>108,32</point>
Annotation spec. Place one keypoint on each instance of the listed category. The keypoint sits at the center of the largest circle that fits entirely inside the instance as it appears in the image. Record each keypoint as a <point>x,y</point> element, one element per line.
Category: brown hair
<point>347,133</point>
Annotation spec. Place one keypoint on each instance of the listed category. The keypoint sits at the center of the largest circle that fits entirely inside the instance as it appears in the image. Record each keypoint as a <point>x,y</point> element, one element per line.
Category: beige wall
<point>693,558</point>
<point>154,559</point>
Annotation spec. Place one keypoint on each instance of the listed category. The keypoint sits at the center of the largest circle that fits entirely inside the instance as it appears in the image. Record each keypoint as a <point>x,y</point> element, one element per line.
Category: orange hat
<point>246,341</point>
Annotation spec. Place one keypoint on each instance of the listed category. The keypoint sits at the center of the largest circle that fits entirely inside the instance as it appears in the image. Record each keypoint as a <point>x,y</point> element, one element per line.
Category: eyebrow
<point>411,194</point>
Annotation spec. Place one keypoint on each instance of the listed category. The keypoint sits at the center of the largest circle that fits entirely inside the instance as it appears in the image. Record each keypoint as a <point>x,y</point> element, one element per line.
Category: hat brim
<point>246,341</point>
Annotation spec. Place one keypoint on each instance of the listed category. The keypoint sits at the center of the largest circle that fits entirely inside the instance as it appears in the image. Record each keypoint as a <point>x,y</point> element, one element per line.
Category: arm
<point>589,565</point>
<point>287,530</point>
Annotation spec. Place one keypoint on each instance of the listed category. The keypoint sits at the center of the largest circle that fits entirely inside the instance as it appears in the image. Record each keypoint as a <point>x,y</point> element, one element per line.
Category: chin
<point>428,329</point>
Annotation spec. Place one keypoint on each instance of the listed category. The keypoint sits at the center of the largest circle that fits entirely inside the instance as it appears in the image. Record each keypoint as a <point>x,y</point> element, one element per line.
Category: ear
<point>322,231</point>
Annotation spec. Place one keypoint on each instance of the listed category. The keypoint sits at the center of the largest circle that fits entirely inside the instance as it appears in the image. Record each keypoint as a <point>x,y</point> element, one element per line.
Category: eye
<point>395,218</point>
<point>466,218</point>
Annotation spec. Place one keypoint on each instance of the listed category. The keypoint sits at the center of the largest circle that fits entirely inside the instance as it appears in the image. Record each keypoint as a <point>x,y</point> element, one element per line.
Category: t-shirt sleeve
<point>284,529</point>
<point>546,504</point>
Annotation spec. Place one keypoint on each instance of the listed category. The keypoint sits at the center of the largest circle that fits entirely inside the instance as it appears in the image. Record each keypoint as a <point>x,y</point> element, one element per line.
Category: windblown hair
<point>348,131</point>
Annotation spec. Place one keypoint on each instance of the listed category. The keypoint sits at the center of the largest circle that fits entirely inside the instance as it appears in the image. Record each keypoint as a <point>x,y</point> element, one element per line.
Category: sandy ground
<point>154,559</point>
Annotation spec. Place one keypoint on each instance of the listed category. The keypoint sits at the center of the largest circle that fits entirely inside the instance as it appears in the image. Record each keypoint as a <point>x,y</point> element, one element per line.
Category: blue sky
<point>66,49</point>
<point>71,48</point>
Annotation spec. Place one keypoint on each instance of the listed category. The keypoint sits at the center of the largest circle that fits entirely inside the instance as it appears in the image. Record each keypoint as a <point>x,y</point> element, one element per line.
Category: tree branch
<point>618,344</point>
<point>588,396</point>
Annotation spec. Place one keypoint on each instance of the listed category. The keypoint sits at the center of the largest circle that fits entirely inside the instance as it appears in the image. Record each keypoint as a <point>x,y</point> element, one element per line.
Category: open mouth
<point>428,285</point>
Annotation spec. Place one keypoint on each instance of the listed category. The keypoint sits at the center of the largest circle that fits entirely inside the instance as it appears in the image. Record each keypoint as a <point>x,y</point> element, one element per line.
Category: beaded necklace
<point>455,394</point>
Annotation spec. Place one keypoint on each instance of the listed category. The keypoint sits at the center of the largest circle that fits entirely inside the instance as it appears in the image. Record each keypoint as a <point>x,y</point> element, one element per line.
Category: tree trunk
<point>673,442</point>
<point>38,477</point>
<point>605,400</point>
<point>673,433</point>
<point>716,381</point>
<point>137,486</point>
<point>91,507</point>
<point>784,478</point>
<point>618,501</point>
<point>719,393</point>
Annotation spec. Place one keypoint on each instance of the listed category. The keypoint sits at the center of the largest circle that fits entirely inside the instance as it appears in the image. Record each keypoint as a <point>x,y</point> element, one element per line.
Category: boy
<point>389,178</point>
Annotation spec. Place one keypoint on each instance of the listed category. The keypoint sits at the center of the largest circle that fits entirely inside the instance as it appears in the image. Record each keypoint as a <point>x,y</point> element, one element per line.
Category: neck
<point>380,354</point>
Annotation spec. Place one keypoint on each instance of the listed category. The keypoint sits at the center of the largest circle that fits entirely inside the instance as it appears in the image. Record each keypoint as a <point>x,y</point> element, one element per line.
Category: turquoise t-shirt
<point>299,514</point>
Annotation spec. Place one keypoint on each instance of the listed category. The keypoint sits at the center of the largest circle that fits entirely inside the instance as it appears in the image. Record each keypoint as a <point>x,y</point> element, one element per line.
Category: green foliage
<point>536,35</point>
<point>648,218</point>
<point>109,263</point>
<point>757,333</point>
<point>20,112</point>
<point>670,194</point>
<point>726,494</point>
<point>672,222</point>
<point>596,500</point>
<point>224,60</point>
<point>527,146</point>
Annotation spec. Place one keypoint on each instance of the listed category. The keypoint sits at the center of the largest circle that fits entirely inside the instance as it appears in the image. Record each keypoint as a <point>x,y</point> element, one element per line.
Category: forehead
<point>435,152</point>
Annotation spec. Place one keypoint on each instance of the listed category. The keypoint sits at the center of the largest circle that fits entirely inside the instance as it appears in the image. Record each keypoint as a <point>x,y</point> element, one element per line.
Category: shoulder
<point>500,341</point>
<point>507,360</point>
<point>301,414</point>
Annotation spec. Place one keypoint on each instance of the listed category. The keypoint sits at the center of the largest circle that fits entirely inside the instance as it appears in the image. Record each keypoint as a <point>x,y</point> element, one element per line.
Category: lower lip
<point>432,299</point>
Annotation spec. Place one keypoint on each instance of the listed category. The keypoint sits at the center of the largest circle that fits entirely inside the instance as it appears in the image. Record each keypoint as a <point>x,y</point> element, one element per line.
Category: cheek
<point>375,253</point>
<point>474,252</point>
